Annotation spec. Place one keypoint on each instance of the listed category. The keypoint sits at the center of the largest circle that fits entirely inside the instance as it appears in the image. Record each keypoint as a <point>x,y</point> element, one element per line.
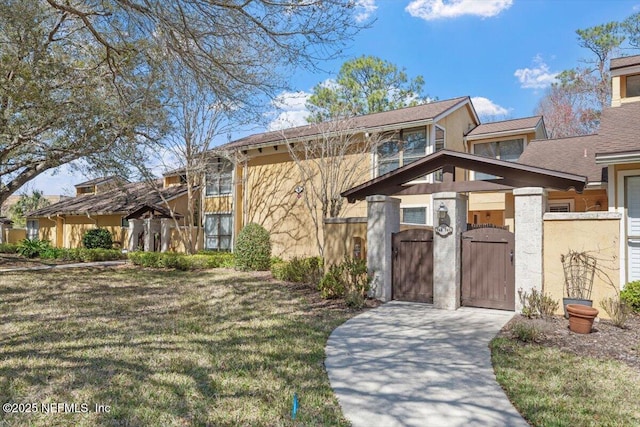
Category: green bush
<point>8,248</point>
<point>32,248</point>
<point>332,285</point>
<point>299,270</point>
<point>526,333</point>
<point>253,248</point>
<point>631,295</point>
<point>537,304</point>
<point>97,238</point>
<point>181,261</point>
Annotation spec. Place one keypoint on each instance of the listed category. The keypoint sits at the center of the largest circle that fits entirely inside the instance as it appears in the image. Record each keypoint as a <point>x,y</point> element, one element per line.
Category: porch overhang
<point>512,175</point>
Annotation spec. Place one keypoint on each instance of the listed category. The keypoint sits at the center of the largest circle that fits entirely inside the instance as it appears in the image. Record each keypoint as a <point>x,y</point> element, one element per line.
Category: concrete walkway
<point>409,364</point>
<point>63,266</point>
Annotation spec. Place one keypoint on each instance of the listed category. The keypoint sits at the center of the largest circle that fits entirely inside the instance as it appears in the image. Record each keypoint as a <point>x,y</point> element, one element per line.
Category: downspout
<point>95,221</point>
<point>64,223</point>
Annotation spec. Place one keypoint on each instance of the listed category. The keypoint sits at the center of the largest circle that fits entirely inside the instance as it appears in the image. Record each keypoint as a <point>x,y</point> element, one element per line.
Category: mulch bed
<point>605,341</point>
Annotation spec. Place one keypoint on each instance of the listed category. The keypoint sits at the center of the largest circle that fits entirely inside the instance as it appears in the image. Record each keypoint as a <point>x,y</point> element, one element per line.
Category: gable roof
<point>420,113</point>
<point>619,130</point>
<point>513,174</point>
<point>525,124</point>
<point>98,181</point>
<point>575,155</point>
<point>119,200</point>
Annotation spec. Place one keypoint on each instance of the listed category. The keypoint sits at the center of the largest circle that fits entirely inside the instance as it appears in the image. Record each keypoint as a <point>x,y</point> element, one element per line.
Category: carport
<point>528,184</point>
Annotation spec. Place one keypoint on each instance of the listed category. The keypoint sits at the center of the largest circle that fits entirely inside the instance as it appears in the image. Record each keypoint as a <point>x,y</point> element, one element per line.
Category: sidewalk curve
<point>409,364</point>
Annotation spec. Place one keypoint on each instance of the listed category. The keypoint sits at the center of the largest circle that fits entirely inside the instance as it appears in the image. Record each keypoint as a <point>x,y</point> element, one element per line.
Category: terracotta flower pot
<point>581,318</point>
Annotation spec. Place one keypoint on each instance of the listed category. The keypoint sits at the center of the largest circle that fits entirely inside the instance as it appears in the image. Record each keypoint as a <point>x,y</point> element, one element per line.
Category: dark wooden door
<point>413,265</point>
<point>488,274</point>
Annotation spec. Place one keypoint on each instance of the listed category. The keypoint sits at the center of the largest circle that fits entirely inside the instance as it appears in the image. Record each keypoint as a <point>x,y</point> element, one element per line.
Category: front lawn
<point>168,348</point>
<point>551,387</point>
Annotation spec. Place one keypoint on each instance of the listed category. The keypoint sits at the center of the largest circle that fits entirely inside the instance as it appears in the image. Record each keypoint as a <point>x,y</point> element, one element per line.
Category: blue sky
<point>502,53</point>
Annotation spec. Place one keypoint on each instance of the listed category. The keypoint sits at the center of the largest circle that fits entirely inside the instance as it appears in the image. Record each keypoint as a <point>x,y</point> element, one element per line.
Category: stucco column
<point>165,234</point>
<point>2,228</point>
<point>383,219</point>
<point>447,249</point>
<point>136,227</point>
<point>530,205</point>
<point>151,227</point>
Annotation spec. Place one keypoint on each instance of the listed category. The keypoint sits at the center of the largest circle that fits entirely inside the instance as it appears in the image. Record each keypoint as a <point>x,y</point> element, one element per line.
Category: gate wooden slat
<point>488,274</point>
<point>412,273</point>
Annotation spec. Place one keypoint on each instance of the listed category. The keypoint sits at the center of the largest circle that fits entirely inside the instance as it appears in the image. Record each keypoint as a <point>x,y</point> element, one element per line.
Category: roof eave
<point>617,158</point>
<point>501,133</point>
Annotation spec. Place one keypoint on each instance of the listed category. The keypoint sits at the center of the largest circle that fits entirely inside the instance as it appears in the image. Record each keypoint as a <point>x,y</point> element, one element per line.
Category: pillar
<point>151,228</point>
<point>383,219</point>
<point>530,205</point>
<point>136,227</point>
<point>2,232</point>
<point>447,256</point>
<point>165,234</point>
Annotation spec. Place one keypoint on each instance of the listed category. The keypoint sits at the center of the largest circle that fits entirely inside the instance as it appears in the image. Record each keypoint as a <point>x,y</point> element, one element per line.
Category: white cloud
<point>291,110</point>
<point>538,77</point>
<point>486,107</point>
<point>440,9</point>
<point>365,9</point>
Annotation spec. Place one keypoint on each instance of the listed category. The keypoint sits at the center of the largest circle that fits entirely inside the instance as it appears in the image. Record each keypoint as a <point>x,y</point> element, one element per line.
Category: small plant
<point>8,248</point>
<point>631,295</point>
<point>332,284</point>
<point>97,238</point>
<point>349,279</point>
<point>537,304</point>
<point>298,270</point>
<point>525,332</point>
<point>253,248</point>
<point>29,248</point>
<point>617,310</point>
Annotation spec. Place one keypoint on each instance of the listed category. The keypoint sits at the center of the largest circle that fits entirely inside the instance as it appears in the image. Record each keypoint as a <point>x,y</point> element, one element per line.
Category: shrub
<point>525,332</point>
<point>32,248</point>
<point>299,270</point>
<point>144,259</point>
<point>332,284</point>
<point>181,261</point>
<point>631,295</point>
<point>617,310</point>
<point>537,304</point>
<point>348,279</point>
<point>253,248</point>
<point>97,238</point>
<point>8,248</point>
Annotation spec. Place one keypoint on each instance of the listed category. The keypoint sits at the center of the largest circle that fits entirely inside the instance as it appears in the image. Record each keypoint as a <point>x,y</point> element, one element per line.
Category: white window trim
<point>570,202</point>
<point>621,209</point>
<point>416,205</point>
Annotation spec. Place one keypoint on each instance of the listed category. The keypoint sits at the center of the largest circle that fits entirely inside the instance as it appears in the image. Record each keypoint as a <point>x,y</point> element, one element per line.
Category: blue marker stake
<point>294,409</point>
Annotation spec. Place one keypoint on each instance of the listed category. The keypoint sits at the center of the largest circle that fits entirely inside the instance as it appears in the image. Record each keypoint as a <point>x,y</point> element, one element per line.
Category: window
<point>633,86</point>
<point>560,205</point>
<point>416,215</point>
<point>124,223</point>
<point>509,150</point>
<point>218,231</point>
<point>395,153</point>
<point>32,229</point>
<point>219,178</point>
<point>439,145</point>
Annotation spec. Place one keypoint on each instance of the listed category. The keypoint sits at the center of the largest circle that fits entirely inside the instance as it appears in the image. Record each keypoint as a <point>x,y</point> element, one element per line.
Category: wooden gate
<point>488,274</point>
<point>413,265</point>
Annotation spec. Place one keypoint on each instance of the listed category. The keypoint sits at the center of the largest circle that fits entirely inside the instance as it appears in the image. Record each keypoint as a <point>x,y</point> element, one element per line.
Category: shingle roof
<point>96,181</point>
<point>526,123</point>
<point>625,61</point>
<point>574,155</point>
<point>119,200</point>
<point>620,129</point>
<point>387,118</point>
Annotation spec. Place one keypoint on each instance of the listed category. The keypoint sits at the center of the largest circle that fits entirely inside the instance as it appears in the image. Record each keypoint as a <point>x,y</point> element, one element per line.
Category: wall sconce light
<point>299,190</point>
<point>442,212</point>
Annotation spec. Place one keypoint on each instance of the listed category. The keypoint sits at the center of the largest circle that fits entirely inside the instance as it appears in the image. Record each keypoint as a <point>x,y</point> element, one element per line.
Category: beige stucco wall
<point>456,125</point>
<point>14,235</point>
<point>341,238</point>
<point>595,233</point>
<point>271,201</point>
<point>75,226</point>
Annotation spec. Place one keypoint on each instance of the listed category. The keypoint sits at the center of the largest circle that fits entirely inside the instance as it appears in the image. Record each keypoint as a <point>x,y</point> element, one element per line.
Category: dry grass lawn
<point>168,348</point>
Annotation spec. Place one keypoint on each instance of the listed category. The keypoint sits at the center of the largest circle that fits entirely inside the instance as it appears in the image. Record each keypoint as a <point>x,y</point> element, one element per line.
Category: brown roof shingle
<point>119,200</point>
<point>526,123</point>
<point>574,155</point>
<point>625,61</point>
<point>620,129</point>
<point>386,118</point>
